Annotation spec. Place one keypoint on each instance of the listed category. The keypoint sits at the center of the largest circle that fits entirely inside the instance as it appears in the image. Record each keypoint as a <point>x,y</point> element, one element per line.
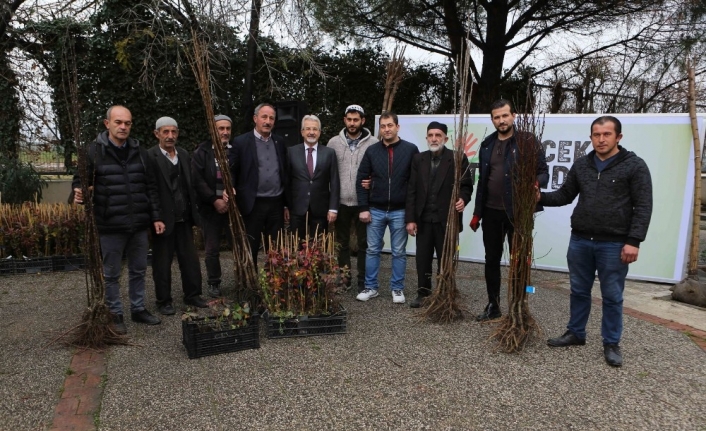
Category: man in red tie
<point>313,188</point>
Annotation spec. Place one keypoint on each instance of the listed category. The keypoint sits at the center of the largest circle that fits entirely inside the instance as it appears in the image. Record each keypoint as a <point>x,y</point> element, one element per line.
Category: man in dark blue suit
<point>313,189</point>
<point>260,178</point>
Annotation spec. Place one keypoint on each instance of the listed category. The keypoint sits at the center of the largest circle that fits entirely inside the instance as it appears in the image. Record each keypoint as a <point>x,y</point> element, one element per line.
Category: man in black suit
<point>212,201</point>
<point>429,192</point>
<point>177,200</point>
<point>260,178</point>
<point>313,188</point>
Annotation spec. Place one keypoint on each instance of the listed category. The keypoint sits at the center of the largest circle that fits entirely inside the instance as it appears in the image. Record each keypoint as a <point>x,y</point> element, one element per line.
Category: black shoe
<point>612,354</point>
<point>422,294</point>
<point>119,325</point>
<point>214,290</point>
<point>145,317</point>
<point>491,312</point>
<point>166,309</point>
<point>197,302</point>
<point>568,339</point>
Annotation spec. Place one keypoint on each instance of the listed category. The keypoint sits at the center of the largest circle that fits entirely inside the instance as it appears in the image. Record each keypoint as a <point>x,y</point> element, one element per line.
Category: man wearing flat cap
<point>212,202</point>
<point>172,168</point>
<point>431,184</point>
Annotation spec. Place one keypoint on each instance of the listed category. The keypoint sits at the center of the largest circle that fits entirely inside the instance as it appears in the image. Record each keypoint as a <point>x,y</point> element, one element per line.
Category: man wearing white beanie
<point>172,170</point>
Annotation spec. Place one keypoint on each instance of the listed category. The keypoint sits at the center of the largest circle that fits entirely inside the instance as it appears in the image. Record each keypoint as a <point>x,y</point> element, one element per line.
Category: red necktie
<point>310,162</point>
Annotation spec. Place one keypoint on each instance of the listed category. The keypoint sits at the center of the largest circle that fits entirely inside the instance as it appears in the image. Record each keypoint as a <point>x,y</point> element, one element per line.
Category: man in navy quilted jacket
<point>387,164</point>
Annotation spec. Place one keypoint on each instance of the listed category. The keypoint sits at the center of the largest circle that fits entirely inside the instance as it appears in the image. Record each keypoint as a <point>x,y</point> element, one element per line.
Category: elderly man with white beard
<point>428,199</point>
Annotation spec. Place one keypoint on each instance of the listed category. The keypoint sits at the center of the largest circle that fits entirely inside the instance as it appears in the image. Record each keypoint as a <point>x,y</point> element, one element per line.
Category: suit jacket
<point>161,167</point>
<point>245,171</point>
<point>203,175</point>
<point>420,181</point>
<point>320,193</point>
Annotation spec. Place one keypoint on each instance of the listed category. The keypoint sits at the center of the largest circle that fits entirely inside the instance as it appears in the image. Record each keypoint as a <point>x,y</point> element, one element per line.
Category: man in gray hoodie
<point>350,145</point>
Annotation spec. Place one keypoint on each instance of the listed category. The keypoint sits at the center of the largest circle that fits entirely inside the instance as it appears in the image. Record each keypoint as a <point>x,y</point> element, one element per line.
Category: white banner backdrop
<point>664,141</point>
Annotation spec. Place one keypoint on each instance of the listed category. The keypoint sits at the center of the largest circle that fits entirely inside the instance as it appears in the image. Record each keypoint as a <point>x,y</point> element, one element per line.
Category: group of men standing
<point>357,182</point>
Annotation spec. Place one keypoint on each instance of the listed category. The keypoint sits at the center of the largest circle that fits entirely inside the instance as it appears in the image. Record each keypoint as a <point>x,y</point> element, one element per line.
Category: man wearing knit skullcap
<point>431,184</point>
<point>212,202</point>
<point>177,200</point>
<point>350,145</point>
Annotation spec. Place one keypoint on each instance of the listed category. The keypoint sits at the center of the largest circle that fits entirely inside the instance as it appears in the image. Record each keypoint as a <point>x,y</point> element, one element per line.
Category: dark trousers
<point>496,228</point>
<point>346,216</point>
<point>212,225</point>
<point>300,223</point>
<point>134,245</point>
<point>266,218</point>
<point>181,241</point>
<point>430,237</point>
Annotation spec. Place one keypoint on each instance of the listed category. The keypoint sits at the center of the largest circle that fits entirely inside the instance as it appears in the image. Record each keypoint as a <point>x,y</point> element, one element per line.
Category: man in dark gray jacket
<point>607,226</point>
<point>126,205</point>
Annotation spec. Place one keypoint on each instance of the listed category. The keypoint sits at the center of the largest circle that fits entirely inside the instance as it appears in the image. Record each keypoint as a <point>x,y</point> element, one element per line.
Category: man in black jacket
<point>260,179</point>
<point>212,201</point>
<point>609,222</point>
<point>497,158</point>
<point>172,168</point>
<point>387,165</point>
<point>313,187</point>
<point>431,184</point>
<point>125,205</point>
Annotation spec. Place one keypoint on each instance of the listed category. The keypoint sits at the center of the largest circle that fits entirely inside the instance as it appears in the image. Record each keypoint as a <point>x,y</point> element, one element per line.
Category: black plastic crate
<point>306,326</point>
<point>34,265</point>
<point>68,263</point>
<point>7,266</point>
<point>203,337</point>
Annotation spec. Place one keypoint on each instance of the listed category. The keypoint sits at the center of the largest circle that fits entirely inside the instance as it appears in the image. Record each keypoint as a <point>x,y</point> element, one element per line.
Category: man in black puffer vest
<point>126,204</point>
<point>387,164</point>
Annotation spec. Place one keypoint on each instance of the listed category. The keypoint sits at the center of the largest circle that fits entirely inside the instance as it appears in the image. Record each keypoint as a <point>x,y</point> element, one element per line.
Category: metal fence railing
<point>43,159</point>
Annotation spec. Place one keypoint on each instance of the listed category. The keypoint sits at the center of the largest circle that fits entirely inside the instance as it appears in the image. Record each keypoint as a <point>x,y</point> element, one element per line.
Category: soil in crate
<point>306,326</point>
<point>203,337</point>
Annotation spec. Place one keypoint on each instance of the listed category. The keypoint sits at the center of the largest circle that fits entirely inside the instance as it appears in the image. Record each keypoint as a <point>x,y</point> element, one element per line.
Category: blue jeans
<point>585,257</point>
<point>136,246</point>
<point>398,237</point>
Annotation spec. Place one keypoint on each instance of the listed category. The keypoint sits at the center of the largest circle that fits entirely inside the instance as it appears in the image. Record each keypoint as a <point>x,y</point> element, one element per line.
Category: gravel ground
<point>34,309</point>
<point>390,371</point>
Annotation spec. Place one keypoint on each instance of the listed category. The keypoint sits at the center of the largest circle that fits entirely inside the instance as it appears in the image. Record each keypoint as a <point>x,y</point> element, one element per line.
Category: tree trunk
<point>247,102</point>
<point>696,217</point>
<point>488,88</point>
<point>10,109</point>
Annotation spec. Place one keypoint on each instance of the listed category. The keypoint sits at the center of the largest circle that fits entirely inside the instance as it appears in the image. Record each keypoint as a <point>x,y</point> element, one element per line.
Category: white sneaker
<point>398,297</point>
<point>366,294</point>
